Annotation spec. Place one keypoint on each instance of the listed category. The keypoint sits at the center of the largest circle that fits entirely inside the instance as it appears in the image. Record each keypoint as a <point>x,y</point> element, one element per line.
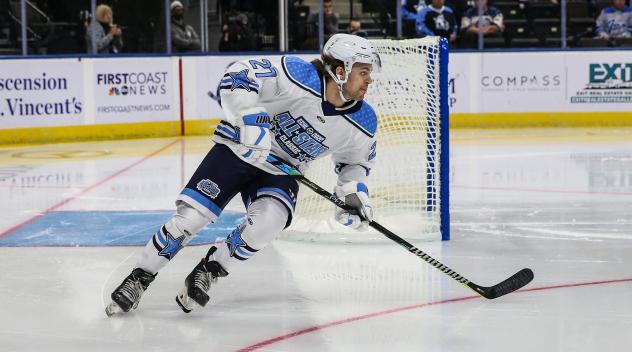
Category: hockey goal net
<point>409,184</point>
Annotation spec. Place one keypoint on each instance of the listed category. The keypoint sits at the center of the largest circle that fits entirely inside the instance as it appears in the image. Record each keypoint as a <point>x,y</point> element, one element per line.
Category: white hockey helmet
<point>350,49</point>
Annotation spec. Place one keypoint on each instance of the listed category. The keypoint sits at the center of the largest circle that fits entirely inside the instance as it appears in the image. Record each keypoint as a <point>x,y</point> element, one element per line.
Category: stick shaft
<point>418,252</point>
<point>386,232</point>
<point>515,282</point>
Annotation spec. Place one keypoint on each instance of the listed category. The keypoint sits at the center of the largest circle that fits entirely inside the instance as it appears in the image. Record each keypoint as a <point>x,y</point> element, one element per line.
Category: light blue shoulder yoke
<point>302,73</point>
<point>365,119</point>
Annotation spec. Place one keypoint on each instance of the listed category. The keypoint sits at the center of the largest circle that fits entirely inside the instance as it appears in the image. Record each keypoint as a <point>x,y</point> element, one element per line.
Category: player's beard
<point>358,94</point>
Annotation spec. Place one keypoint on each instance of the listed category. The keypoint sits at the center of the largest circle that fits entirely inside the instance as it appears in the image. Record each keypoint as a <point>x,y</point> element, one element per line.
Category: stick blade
<point>515,282</point>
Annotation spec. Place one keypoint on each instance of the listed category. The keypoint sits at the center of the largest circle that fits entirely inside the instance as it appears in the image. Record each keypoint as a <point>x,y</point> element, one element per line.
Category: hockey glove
<point>253,129</point>
<point>356,195</point>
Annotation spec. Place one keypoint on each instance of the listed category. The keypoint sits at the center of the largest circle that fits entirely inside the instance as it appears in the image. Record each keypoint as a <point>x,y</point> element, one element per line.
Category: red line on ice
<point>401,309</point>
<point>85,190</point>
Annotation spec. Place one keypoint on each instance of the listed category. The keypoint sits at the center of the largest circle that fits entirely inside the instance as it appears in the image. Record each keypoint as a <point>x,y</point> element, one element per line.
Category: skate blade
<point>112,309</point>
<point>183,300</point>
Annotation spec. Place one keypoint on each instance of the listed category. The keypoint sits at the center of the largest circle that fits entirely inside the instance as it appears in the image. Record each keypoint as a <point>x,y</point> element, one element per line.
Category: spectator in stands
<point>355,28</point>
<point>236,34</point>
<point>458,8</point>
<point>410,9</point>
<point>183,36</point>
<point>490,24</point>
<point>4,17</point>
<point>330,19</point>
<point>615,21</point>
<point>437,19</point>
<point>110,43</point>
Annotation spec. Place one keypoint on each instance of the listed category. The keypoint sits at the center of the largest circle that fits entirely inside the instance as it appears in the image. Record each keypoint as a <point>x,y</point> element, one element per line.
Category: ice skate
<point>127,295</point>
<point>198,282</point>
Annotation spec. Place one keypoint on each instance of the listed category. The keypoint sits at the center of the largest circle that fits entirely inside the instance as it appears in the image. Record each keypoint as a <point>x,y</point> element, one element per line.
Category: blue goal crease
<point>108,229</point>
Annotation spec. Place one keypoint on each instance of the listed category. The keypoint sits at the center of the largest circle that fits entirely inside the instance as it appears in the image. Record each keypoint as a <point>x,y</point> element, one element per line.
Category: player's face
<point>358,82</point>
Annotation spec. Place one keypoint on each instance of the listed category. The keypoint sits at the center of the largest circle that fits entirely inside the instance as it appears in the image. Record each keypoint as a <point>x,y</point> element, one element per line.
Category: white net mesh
<point>405,181</point>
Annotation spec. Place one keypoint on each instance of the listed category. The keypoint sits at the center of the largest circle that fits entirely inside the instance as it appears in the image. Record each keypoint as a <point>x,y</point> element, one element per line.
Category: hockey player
<point>296,110</point>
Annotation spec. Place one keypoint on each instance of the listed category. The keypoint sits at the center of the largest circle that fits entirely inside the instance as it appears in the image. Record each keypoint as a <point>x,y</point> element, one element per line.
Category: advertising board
<point>39,93</point>
<point>135,89</point>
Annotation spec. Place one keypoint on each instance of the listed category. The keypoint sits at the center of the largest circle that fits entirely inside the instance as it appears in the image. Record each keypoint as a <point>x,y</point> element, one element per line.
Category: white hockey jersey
<point>304,126</point>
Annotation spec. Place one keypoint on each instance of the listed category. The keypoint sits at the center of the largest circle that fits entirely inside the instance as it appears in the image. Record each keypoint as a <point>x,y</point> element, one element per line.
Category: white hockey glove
<point>253,129</point>
<point>356,195</point>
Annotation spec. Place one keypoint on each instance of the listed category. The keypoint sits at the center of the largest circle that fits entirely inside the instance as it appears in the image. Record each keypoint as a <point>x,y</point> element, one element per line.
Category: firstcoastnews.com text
<point>108,109</point>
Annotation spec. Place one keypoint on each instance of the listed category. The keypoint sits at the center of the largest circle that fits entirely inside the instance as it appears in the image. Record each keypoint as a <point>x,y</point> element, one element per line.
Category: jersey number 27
<point>266,68</point>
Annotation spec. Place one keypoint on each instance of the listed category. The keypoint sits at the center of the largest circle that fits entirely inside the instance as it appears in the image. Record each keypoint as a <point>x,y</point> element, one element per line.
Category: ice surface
<point>557,201</point>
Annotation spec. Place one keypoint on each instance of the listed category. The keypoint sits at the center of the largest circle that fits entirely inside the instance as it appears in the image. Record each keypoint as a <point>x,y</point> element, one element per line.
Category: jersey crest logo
<point>297,137</point>
<point>320,118</point>
<point>209,188</point>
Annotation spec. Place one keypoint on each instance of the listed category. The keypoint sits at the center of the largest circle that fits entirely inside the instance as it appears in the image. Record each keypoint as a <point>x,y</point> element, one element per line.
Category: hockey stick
<point>515,282</point>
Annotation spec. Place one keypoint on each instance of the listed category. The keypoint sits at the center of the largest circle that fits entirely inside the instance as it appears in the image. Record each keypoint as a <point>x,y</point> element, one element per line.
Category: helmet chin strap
<point>339,83</point>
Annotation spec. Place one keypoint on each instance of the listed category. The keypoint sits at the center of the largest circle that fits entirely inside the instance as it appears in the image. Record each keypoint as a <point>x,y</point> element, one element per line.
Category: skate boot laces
<point>132,289</point>
<point>203,279</point>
